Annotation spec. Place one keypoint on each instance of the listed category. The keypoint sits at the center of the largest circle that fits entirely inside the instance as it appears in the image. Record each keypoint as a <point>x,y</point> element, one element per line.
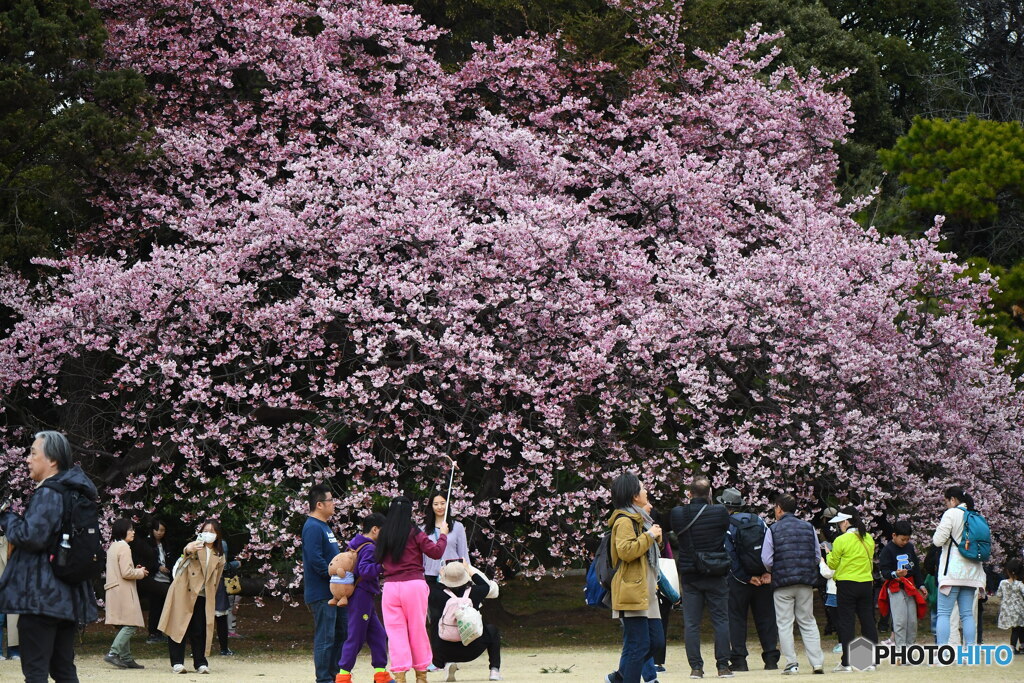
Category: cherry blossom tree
<point>347,264</point>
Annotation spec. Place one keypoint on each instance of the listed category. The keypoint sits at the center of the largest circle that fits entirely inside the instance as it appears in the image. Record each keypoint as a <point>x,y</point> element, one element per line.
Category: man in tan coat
<point>189,609</point>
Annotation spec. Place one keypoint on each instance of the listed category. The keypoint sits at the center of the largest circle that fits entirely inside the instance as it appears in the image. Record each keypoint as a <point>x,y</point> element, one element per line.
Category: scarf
<point>653,553</point>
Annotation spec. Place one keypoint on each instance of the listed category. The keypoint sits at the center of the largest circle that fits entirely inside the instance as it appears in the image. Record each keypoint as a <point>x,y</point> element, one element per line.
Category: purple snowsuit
<point>363,623</point>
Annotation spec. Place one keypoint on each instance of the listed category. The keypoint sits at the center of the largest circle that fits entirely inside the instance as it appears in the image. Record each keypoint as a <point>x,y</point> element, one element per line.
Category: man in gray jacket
<point>50,609</point>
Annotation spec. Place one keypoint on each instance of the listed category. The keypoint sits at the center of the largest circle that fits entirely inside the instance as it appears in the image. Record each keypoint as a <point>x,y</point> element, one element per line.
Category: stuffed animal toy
<point>343,581</point>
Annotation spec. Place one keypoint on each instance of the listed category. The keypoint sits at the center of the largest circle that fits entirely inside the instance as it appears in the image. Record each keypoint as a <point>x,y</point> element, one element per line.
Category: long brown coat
<point>122,599</point>
<point>628,550</point>
<point>181,598</point>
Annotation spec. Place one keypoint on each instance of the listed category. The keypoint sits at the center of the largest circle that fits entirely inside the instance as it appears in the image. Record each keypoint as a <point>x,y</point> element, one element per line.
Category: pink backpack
<point>455,610</point>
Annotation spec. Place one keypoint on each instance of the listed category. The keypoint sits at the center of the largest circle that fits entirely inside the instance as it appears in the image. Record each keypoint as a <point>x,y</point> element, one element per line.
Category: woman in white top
<point>959,578</point>
<point>457,548</point>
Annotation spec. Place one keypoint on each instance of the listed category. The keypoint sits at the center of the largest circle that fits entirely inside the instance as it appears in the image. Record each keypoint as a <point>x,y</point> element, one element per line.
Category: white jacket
<point>962,571</point>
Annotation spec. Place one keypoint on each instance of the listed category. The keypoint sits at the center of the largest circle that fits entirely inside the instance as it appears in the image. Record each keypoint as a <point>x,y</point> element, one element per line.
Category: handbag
<point>233,585</point>
<point>708,562</point>
<point>668,579</point>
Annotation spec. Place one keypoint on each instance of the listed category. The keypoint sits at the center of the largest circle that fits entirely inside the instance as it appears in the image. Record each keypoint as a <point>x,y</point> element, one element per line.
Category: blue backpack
<point>599,576</point>
<point>976,541</point>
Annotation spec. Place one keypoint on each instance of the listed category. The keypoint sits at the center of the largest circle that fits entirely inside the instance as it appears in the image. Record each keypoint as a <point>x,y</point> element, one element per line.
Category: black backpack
<point>77,551</point>
<point>748,538</point>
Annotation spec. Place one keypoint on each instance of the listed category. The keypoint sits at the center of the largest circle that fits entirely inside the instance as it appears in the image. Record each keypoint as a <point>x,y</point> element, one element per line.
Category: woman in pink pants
<point>400,550</point>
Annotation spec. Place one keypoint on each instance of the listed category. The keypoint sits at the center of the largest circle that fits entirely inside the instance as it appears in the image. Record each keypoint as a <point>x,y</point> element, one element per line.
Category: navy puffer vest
<point>794,562</point>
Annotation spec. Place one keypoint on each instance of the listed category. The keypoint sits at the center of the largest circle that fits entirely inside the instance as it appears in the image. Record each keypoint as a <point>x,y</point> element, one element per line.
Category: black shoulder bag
<point>708,562</point>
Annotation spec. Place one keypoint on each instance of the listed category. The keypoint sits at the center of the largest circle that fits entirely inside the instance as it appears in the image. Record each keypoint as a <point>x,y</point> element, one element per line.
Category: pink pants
<point>404,606</point>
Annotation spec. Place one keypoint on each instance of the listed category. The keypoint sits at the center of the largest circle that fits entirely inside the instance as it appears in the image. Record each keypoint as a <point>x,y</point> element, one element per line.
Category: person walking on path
<point>791,556</point>
<point>744,542</point>
<point>189,608</point>
<point>122,596</point>
<point>400,547</point>
<point>633,549</point>
<point>959,578</point>
<point>703,572</point>
<point>319,546</point>
<point>852,559</point>
<point>903,584</point>
<point>50,609</point>
<point>364,626</point>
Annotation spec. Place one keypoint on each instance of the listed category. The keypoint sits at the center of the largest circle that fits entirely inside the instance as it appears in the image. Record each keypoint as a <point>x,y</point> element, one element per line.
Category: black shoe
<point>696,673</point>
<point>739,665</point>
<point>132,664</point>
<point>725,672</point>
<point>227,652</point>
<point>771,666</point>
<point>115,661</point>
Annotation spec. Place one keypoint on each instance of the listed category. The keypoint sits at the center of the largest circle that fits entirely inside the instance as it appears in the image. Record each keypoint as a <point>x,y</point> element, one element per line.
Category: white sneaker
<point>496,675</point>
<point>840,669</point>
<point>450,668</point>
<point>178,668</point>
<point>870,668</point>
<point>203,669</point>
<point>791,669</point>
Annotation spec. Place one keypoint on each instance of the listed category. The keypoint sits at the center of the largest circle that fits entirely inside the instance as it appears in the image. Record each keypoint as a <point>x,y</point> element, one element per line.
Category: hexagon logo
<point>862,653</point>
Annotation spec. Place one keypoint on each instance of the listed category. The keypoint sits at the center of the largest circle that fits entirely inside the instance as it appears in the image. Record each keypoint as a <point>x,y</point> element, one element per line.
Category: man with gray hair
<point>50,609</point>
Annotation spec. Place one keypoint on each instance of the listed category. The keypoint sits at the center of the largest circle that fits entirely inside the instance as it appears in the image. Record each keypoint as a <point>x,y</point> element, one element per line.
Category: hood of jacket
<point>75,479</point>
<point>623,513</point>
<point>359,540</point>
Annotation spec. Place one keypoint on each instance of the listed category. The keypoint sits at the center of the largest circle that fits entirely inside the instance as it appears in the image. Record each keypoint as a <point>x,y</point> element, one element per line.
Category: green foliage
<point>64,123</point>
<point>1005,319</point>
<point>595,29</point>
<point>971,171</point>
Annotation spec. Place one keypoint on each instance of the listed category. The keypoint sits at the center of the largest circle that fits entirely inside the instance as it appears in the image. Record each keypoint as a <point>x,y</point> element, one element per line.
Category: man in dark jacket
<point>50,609</point>
<point>703,565</point>
<point>792,555</point>
<point>747,592</point>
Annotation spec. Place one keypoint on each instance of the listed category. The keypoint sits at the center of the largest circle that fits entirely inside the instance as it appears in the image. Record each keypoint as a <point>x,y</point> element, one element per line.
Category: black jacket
<point>28,585</point>
<point>707,533</point>
<point>887,562</point>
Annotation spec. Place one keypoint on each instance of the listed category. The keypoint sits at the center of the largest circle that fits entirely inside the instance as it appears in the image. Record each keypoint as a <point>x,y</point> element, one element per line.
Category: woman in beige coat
<point>189,609</point>
<point>122,598</point>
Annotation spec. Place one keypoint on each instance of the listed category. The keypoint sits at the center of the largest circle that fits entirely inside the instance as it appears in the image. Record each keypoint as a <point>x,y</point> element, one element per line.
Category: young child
<point>364,625</point>
<point>901,571</point>
<point>1011,607</point>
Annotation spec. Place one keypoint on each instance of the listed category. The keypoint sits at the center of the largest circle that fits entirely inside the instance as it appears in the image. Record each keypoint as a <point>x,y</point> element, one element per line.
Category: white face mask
<point>207,536</point>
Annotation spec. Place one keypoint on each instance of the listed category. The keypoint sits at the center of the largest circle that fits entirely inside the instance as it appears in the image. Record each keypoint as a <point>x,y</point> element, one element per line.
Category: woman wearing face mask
<point>189,609</point>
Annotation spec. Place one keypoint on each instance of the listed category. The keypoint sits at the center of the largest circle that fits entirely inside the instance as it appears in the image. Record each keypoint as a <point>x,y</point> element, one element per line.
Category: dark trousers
<point>744,598</point>
<point>640,636</point>
<point>665,607</point>
<point>856,600</point>
<point>156,593</point>
<point>195,635</point>
<point>47,649</point>
<point>490,642</point>
<point>713,592</point>
<point>1016,636</point>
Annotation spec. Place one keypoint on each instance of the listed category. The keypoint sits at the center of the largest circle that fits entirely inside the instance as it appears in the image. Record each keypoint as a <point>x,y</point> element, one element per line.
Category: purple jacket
<point>367,569</point>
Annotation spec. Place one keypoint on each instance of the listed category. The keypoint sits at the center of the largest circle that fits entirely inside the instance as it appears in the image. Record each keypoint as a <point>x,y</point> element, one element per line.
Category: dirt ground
<point>526,665</point>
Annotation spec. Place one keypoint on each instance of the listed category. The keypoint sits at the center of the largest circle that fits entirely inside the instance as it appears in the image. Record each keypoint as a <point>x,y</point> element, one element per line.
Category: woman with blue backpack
<point>633,550</point>
<point>959,575</point>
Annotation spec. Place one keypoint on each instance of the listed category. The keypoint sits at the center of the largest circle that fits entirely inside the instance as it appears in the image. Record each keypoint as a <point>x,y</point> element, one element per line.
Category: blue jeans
<point>648,672</point>
<point>640,637</point>
<point>330,627</point>
<point>963,597</point>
